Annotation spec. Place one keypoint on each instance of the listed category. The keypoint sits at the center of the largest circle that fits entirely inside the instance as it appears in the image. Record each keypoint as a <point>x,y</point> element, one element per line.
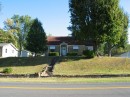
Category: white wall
<point>11,51</point>
<point>24,53</point>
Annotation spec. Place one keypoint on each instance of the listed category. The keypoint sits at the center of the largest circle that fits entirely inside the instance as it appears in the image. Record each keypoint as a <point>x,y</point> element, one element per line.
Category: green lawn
<point>24,65</point>
<point>68,65</point>
<point>104,65</point>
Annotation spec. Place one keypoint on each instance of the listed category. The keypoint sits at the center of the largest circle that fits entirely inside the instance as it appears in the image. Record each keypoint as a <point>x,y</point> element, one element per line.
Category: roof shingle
<point>51,40</point>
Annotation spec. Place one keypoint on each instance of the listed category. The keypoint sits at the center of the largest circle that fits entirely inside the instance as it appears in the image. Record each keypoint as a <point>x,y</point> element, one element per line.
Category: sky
<point>54,14</point>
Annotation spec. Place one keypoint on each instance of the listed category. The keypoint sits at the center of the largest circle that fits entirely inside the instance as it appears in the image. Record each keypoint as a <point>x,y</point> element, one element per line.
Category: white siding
<point>25,53</point>
<point>9,51</point>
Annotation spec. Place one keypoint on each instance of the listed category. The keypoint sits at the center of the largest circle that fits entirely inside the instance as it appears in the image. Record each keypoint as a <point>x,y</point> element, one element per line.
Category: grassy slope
<point>103,65</point>
<point>68,66</point>
<point>24,65</point>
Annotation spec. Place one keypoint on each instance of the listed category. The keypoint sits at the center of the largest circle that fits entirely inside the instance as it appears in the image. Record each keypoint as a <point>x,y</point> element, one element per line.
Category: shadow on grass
<point>33,61</point>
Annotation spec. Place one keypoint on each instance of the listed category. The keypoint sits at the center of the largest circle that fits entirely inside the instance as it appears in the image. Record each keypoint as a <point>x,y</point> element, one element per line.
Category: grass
<point>24,65</point>
<point>66,80</point>
<point>104,65</point>
<point>68,65</point>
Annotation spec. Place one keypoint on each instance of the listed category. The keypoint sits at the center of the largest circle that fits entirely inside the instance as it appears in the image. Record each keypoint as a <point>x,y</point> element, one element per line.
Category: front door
<point>63,51</point>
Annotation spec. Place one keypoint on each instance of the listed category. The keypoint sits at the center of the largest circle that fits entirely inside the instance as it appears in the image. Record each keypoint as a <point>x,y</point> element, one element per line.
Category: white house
<point>25,53</point>
<point>8,50</point>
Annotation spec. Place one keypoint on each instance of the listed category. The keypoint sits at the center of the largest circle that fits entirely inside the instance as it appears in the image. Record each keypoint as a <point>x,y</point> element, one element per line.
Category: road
<point>64,89</point>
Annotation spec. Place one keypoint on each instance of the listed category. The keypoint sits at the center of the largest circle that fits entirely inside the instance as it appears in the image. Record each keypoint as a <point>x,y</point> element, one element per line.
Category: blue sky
<point>53,14</point>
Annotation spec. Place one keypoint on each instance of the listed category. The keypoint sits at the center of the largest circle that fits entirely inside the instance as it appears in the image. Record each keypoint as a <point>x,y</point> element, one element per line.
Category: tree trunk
<point>109,52</point>
<point>96,49</point>
<point>35,54</point>
<point>20,50</point>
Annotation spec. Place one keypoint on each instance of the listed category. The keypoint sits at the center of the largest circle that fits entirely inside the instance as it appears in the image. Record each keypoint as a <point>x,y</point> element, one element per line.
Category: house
<point>25,53</point>
<point>8,50</point>
<point>67,44</point>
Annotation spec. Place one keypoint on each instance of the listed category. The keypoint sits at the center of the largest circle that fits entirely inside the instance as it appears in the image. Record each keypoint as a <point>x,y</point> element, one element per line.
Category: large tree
<point>116,22</point>
<point>36,38</point>
<point>101,21</point>
<point>87,21</point>
<point>19,26</point>
<point>7,38</point>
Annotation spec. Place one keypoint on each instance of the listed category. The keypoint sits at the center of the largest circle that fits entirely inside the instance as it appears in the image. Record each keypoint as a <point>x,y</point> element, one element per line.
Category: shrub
<point>88,53</point>
<point>7,70</point>
<point>53,53</point>
<point>72,54</point>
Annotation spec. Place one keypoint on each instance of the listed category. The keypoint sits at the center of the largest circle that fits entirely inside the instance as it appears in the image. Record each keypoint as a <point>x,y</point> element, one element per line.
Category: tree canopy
<point>101,21</point>
<point>19,26</point>
<point>36,38</point>
<point>7,38</point>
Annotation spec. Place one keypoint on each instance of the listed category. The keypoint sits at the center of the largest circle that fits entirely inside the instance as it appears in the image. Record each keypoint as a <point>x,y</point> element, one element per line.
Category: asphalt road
<point>64,90</point>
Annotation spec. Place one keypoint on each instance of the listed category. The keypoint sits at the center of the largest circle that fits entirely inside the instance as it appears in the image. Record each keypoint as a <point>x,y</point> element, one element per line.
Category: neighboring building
<point>65,45</point>
<point>25,53</point>
<point>8,50</point>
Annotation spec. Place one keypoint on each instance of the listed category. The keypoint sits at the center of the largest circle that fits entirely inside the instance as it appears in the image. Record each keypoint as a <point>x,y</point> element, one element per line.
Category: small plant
<point>53,53</point>
<point>88,53</point>
<point>72,54</point>
<point>7,70</point>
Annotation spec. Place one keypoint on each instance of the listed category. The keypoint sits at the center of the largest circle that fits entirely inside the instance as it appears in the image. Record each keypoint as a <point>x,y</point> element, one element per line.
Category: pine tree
<point>36,38</point>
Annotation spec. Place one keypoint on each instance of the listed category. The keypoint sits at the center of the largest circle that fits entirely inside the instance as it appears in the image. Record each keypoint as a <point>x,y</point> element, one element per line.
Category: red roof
<point>51,40</point>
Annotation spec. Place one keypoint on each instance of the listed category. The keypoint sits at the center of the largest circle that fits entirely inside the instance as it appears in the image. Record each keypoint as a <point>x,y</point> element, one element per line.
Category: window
<point>12,51</point>
<point>75,48</point>
<point>5,50</point>
<point>52,48</point>
<point>89,48</point>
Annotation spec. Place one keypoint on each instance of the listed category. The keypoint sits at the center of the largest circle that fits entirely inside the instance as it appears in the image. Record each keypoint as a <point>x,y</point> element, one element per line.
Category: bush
<point>72,54</point>
<point>7,70</point>
<point>88,53</point>
<point>53,53</point>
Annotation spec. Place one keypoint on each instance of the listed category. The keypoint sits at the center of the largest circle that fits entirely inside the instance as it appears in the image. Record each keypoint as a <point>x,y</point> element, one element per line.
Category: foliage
<point>7,70</point>
<point>72,54</point>
<point>7,38</point>
<point>53,54</point>
<point>128,47</point>
<point>99,21</point>
<point>36,38</point>
<point>88,53</point>
<point>118,51</point>
<point>19,26</point>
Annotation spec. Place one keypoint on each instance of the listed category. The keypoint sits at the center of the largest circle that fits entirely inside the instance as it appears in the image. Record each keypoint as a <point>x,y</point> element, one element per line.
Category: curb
<point>63,76</point>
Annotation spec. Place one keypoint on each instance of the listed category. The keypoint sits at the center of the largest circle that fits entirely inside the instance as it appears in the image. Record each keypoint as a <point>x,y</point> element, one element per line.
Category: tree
<point>19,26</point>
<point>117,25</point>
<point>7,37</point>
<point>87,21</point>
<point>101,21</point>
<point>36,38</point>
